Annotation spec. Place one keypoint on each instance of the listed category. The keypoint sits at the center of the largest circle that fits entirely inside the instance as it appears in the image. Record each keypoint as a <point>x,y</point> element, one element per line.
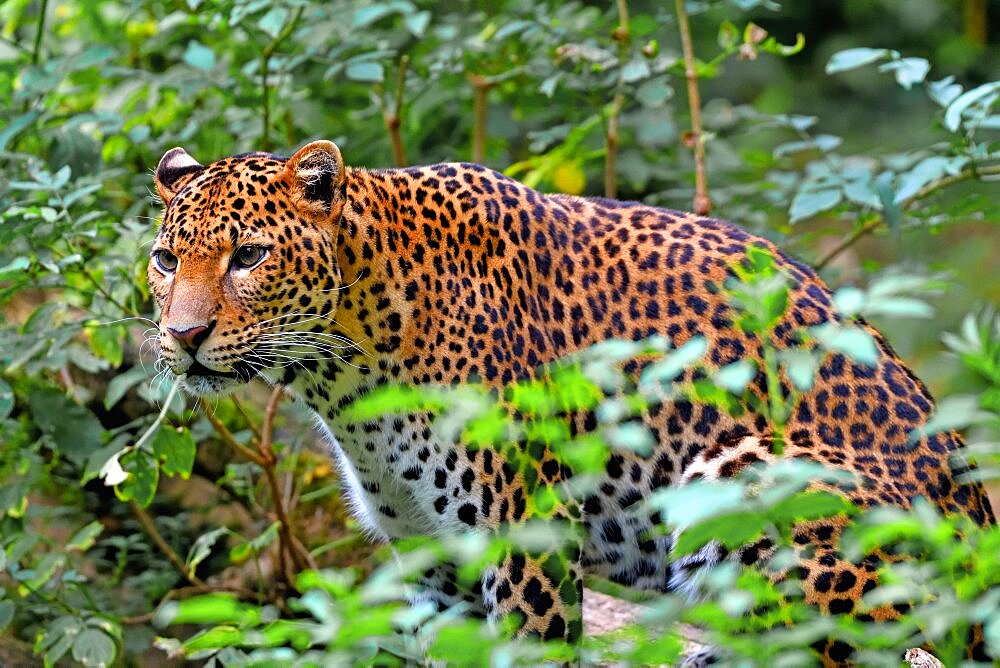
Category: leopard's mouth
<point>241,371</point>
<point>199,369</point>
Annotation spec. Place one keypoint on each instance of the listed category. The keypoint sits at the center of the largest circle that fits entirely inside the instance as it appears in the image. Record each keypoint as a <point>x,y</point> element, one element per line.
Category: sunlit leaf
<point>850,59</point>
<point>199,56</point>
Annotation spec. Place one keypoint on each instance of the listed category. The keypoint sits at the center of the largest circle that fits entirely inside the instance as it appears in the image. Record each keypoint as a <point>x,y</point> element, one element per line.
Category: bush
<point>128,510</point>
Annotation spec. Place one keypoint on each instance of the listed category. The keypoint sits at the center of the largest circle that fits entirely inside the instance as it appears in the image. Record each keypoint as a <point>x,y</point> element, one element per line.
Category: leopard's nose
<point>192,337</point>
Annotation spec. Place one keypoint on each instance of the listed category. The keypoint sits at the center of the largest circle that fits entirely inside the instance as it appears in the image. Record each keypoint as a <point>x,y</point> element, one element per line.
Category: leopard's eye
<point>248,257</point>
<point>165,261</point>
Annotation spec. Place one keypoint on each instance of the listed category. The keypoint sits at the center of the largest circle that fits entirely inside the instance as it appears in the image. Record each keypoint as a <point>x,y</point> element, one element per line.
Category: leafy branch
<point>930,188</point>
<point>292,553</point>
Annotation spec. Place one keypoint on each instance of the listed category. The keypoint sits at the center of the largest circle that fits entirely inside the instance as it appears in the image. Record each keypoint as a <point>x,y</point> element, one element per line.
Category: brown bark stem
<point>621,35</point>
<point>289,545</point>
<point>481,87</point>
<point>265,66</point>
<point>702,202</point>
<point>393,118</point>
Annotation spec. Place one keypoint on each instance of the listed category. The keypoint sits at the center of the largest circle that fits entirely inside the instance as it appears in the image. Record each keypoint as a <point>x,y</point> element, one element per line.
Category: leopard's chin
<point>210,385</point>
<point>203,381</point>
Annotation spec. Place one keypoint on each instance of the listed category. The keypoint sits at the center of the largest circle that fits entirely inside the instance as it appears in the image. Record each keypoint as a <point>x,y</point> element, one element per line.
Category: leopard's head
<point>244,263</point>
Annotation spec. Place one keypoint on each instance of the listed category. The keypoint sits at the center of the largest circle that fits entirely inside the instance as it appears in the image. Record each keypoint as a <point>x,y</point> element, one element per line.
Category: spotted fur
<point>451,273</point>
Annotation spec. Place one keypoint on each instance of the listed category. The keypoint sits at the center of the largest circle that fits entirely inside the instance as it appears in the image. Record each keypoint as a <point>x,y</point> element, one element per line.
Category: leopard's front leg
<point>545,590</point>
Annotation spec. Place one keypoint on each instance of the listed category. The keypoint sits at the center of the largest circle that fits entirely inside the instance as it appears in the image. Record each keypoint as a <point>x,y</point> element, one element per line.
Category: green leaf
<point>957,411</point>
<point>810,505</point>
<point>635,70</point>
<point>175,448</point>
<point>84,539</point>
<point>58,638</point>
<point>729,35</point>
<point>417,23</point>
<point>122,383</point>
<point>944,92</point>
<point>42,572</point>
<point>735,377</point>
<point>632,436</point>
<point>106,342</point>
<point>849,300</point>
<point>241,552</point>
<point>908,71</point>
<point>823,143</point>
<point>215,638</point>
<point>75,431</point>
<point>771,45</point>
<point>202,548</point>
<point>6,613</point>
<point>366,71</point>
<point>93,647</point>
<point>953,114</point>
<point>801,366</point>
<point>732,530</point>
<point>854,342</point>
<point>890,207</point>
<point>16,265</point>
<point>6,399</point>
<point>143,477</point>
<point>394,399</point>
<point>808,203</point>
<point>15,126</point>
<point>207,609</point>
<point>199,56</point>
<point>676,362</point>
<point>925,172</point>
<point>273,21</point>
<point>365,16</point>
<point>654,93</point>
<point>851,59</point>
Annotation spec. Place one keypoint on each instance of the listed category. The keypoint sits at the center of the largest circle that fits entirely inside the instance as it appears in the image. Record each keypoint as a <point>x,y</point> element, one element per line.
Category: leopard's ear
<point>317,179</point>
<point>176,168</point>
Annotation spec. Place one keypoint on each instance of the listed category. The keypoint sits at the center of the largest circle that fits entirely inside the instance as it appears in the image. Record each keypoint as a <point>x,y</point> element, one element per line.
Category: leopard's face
<point>244,264</point>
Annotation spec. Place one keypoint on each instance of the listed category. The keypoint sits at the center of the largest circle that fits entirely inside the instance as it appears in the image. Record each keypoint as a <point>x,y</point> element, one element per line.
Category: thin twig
<point>150,528</point>
<point>227,437</point>
<point>36,50</point>
<point>289,543</point>
<point>265,66</point>
<point>393,117</point>
<point>702,202</point>
<point>620,35</point>
<point>930,188</point>
<point>246,417</point>
<point>481,87</point>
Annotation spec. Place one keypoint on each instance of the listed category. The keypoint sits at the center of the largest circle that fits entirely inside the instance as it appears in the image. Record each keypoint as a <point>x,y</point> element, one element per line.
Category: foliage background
<point>94,92</point>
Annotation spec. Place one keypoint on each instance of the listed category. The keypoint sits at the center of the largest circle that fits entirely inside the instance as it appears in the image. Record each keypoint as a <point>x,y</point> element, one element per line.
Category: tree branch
<point>393,117</point>
<point>620,35</point>
<point>292,553</point>
<point>265,66</point>
<point>702,203</point>
<point>481,87</point>
<point>150,528</point>
<point>227,437</point>
<point>930,188</point>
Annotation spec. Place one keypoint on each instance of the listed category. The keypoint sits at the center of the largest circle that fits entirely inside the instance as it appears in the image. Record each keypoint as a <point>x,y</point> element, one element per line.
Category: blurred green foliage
<point>859,135</point>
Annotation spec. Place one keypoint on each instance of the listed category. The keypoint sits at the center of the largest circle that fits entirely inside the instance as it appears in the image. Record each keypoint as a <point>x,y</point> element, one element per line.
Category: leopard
<point>333,281</point>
